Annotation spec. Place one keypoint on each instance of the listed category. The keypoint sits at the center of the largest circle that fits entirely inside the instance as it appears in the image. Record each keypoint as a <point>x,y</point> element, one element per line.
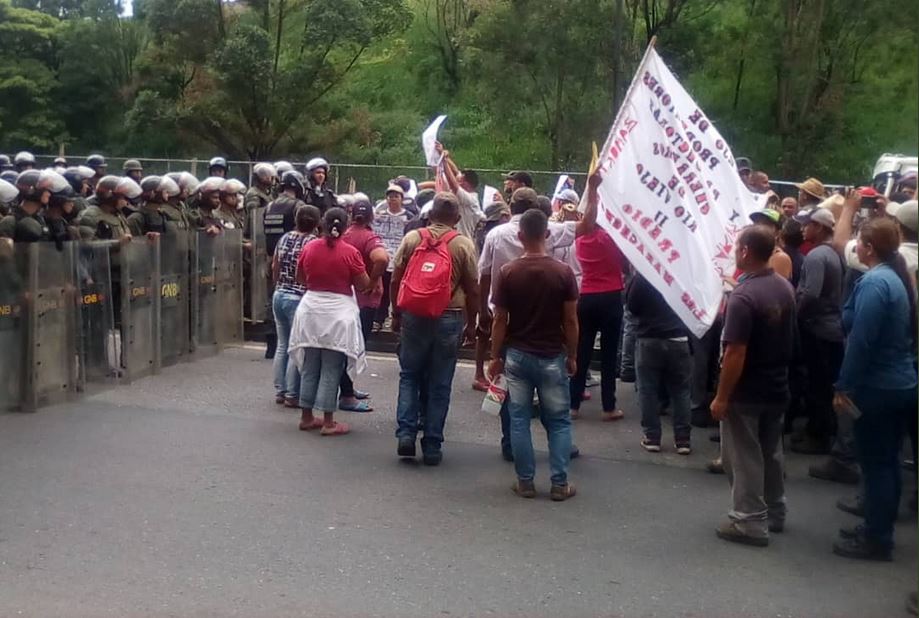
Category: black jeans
<point>383,311</point>
<point>598,313</point>
<point>823,360</point>
<point>347,385</point>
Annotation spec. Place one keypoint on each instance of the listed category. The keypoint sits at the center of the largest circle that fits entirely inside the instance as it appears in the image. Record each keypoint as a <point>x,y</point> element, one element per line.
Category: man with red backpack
<point>436,295</point>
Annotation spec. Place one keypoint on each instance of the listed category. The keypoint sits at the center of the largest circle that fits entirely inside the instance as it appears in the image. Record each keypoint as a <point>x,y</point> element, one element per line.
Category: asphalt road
<point>192,494</point>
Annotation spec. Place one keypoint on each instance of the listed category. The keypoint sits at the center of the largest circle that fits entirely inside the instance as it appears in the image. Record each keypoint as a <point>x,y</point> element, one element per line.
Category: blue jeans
<point>549,378</point>
<point>286,376</point>
<point>662,362</point>
<point>427,353</point>
<point>878,436</point>
<point>319,379</point>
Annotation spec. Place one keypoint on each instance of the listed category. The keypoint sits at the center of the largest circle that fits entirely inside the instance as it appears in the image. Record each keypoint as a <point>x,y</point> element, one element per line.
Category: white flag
<point>670,196</point>
<point>489,195</point>
<point>429,141</point>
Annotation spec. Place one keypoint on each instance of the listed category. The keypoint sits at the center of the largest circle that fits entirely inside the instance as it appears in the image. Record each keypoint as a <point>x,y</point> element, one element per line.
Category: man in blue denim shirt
<point>535,299</point>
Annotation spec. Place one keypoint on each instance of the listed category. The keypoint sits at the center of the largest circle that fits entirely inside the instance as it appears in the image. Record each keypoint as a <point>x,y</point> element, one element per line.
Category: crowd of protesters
<point>816,337</point>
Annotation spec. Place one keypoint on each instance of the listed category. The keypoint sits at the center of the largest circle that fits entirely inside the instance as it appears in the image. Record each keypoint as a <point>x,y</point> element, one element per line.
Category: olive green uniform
<point>96,224</point>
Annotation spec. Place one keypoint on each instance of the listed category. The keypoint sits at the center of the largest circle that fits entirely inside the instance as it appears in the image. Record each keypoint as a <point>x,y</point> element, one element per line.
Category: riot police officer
<point>5,163</point>
<point>8,195</point>
<point>149,217</point>
<point>167,196</point>
<point>60,165</point>
<point>105,219</point>
<point>264,176</point>
<point>317,174</point>
<point>231,216</point>
<point>283,166</point>
<point>218,167</point>
<point>79,177</point>
<point>24,161</point>
<point>26,222</point>
<point>133,170</point>
<point>97,162</point>
<point>206,215</point>
<point>58,216</point>
<point>280,214</point>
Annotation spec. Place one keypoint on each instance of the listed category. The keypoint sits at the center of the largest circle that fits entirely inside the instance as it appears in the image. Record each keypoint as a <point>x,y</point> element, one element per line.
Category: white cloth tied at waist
<point>330,321</point>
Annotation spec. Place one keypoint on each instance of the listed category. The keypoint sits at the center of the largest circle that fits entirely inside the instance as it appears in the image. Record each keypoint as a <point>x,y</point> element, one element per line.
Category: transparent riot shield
<point>99,341</point>
<point>257,265</point>
<point>12,327</point>
<point>207,249</point>
<point>51,341</point>
<point>229,273</point>
<point>140,301</point>
<point>174,293</point>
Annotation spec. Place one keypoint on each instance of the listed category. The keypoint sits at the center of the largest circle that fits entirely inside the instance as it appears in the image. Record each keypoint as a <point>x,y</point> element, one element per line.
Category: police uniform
<point>148,218</point>
<point>177,219</point>
<point>280,219</point>
<point>255,198</point>
<point>229,220</point>
<point>96,224</point>
<point>22,227</point>
<point>321,198</point>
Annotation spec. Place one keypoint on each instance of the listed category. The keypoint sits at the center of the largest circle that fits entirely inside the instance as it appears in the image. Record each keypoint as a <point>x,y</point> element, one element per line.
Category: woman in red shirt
<point>599,311</point>
<point>326,338</point>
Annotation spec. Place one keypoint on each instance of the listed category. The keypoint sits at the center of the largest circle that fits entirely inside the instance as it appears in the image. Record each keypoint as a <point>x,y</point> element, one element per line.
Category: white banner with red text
<point>670,195</point>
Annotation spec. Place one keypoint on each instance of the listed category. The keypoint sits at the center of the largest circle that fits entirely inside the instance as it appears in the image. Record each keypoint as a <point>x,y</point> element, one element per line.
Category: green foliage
<point>804,87</point>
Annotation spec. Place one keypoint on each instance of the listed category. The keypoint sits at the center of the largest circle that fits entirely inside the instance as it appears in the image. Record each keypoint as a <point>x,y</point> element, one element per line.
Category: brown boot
<point>560,493</point>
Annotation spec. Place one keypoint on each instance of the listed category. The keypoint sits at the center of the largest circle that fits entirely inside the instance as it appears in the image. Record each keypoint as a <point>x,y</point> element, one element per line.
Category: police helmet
<point>211,185</point>
<point>132,165</point>
<point>283,166</point>
<point>265,172</point>
<point>77,175</point>
<point>60,162</point>
<point>345,200</point>
<point>32,183</point>
<point>186,181</point>
<point>218,162</point>
<point>293,180</point>
<point>8,192</point>
<point>5,163</point>
<point>24,158</point>
<point>96,161</point>
<point>59,198</point>
<point>233,186</point>
<point>9,176</point>
<point>169,187</point>
<point>150,183</point>
<point>314,164</point>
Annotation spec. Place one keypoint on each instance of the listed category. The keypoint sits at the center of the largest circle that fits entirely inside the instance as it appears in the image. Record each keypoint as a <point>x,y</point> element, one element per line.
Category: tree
<point>27,79</point>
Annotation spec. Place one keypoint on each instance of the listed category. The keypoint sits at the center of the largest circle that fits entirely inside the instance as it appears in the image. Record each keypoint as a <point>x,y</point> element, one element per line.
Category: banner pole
<point>628,94</point>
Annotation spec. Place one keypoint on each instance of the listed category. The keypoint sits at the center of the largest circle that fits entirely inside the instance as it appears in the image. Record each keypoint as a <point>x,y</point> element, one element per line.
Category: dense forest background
<point>804,87</point>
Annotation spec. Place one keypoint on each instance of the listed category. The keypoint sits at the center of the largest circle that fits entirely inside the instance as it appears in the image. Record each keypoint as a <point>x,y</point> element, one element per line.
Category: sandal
<point>615,415</point>
<point>316,423</point>
<point>358,406</point>
<point>337,429</point>
<point>480,385</point>
<point>361,394</point>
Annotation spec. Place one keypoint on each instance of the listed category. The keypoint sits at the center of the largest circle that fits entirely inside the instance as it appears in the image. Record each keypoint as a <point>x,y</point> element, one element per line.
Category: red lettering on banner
<point>622,228</point>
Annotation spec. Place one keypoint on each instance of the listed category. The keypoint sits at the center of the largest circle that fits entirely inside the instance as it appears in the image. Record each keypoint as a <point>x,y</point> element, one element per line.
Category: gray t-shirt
<point>819,295</point>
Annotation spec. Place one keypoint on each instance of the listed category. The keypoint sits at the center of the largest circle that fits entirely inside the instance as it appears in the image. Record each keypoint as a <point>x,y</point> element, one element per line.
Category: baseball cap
<point>495,210</point>
<point>770,216</point>
<point>744,164</point>
<point>522,177</point>
<point>908,215</point>
<point>869,192</point>
<point>823,216</point>
<point>524,196</point>
<point>395,189</point>
<point>570,199</point>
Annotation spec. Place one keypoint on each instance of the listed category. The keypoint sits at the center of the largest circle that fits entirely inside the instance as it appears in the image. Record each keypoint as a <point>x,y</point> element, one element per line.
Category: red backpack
<point>426,287</point>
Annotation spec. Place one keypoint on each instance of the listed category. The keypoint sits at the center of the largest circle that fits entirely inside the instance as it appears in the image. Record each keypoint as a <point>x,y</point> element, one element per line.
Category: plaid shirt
<point>287,252</point>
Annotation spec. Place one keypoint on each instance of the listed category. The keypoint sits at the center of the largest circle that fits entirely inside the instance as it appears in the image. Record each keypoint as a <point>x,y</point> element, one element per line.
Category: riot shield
<point>51,342</point>
<point>205,294</point>
<point>229,274</point>
<point>12,327</point>
<point>140,301</point>
<point>99,341</point>
<point>174,293</point>
<point>257,279</point>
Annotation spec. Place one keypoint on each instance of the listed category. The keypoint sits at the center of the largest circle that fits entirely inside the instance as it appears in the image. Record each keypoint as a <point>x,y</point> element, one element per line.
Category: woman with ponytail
<point>326,339</point>
<point>877,383</point>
